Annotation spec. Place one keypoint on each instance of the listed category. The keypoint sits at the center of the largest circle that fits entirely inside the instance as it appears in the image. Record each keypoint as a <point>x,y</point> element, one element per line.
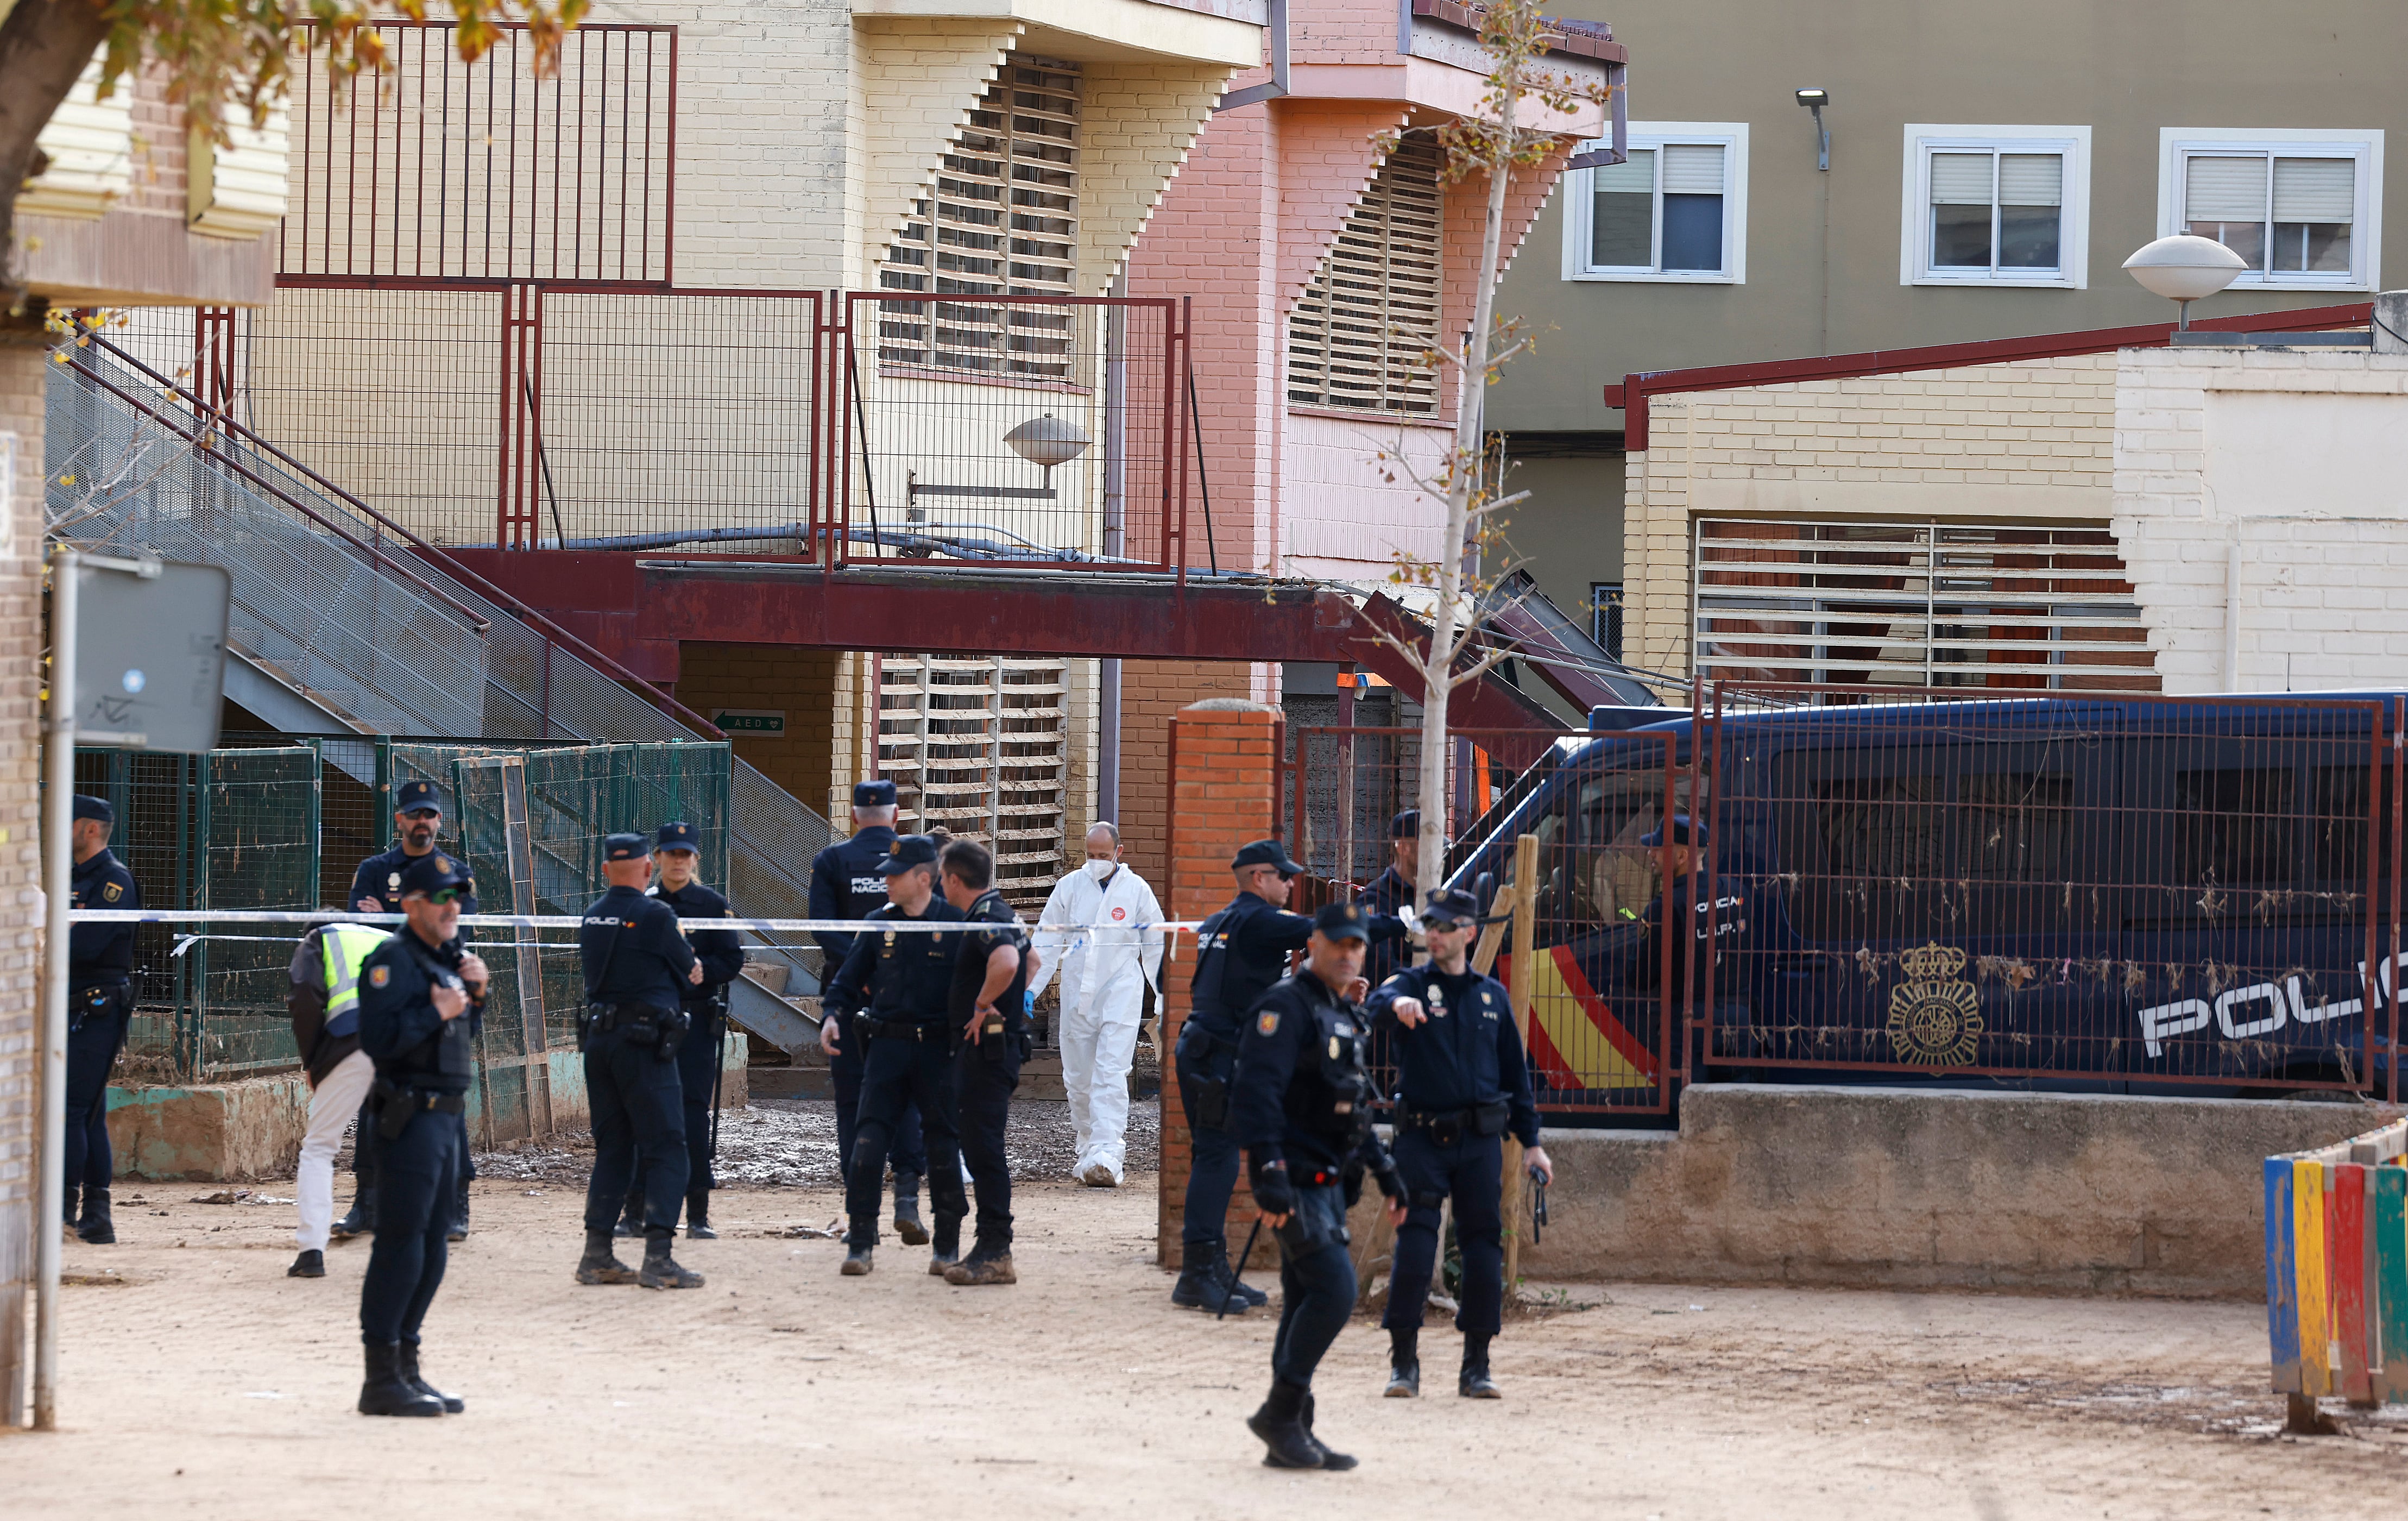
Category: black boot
<point>94,1226</point>
<point>387,1393</point>
<point>600,1264</point>
<point>67,1211</point>
<point>857,1261</point>
<point>947,1250</point>
<point>698,1216</point>
<point>1404,1362</point>
<point>987,1264</point>
<point>907,1210</point>
<point>307,1265</point>
<point>631,1215</point>
<point>1280,1424</point>
<point>1474,1382</point>
<point>1202,1274</point>
<point>361,1221</point>
<point>1241,1295</point>
<point>406,1363</point>
<point>661,1270</point>
<point>459,1231</point>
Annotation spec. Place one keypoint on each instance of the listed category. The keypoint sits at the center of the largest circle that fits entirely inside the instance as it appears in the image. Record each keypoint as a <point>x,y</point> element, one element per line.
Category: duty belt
<point>902,1029</point>
<point>1448,1126</point>
<point>430,1100</point>
<point>609,1016</point>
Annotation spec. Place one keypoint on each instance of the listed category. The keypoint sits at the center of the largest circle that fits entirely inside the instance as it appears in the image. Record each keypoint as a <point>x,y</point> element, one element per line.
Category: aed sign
<point>750,720</point>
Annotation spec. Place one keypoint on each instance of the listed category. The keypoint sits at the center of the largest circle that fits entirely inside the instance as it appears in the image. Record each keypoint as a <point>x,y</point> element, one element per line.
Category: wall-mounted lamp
<point>2183,268</point>
<point>1814,100</point>
<point>1044,441</point>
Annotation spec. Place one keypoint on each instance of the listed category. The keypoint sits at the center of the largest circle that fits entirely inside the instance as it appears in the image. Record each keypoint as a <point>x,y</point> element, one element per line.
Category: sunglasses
<point>416,813</point>
<point>446,894</point>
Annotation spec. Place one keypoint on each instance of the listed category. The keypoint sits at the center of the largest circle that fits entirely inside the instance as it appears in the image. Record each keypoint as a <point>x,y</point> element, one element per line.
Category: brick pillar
<point>1224,761</point>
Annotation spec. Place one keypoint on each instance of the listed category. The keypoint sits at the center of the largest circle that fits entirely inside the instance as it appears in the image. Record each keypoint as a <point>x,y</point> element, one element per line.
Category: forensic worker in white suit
<point>1105,972</point>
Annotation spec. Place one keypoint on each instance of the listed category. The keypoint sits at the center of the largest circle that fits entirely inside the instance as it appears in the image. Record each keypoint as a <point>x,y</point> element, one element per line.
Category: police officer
<point>1461,1084</point>
<point>846,884</point>
<point>376,888</point>
<point>1301,1107</point>
<point>1239,951</point>
<point>422,1000</point>
<point>100,1001</point>
<point>678,849</point>
<point>323,996</point>
<point>990,1021</point>
<point>1393,889</point>
<point>892,995</point>
<point>638,971</point>
<point>1699,920</point>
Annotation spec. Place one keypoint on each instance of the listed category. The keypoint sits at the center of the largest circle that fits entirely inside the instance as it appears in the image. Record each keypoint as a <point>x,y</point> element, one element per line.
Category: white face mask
<point>1102,870</point>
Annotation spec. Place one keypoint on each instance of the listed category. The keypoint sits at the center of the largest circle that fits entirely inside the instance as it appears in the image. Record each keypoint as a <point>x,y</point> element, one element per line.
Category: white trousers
<point>1099,1044</point>
<point>332,1104</point>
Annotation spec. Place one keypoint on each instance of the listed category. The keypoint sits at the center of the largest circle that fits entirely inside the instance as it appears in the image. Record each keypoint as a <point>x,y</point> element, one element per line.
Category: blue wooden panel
<point>2282,1278</point>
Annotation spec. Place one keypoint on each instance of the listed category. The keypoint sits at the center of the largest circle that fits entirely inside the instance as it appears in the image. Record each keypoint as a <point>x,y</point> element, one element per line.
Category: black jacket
<point>399,1028</point>
<point>101,955</point>
<point>720,950</point>
<point>1301,1090</point>
<point>634,952</point>
<point>1467,1052</point>
<point>898,975</point>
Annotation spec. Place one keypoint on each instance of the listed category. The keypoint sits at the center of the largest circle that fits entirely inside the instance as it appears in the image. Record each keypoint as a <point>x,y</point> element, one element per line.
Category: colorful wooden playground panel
<point>2337,1269</point>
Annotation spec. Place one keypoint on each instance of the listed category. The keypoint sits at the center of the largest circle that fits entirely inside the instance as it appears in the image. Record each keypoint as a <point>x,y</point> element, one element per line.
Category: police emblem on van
<point>1935,1019</point>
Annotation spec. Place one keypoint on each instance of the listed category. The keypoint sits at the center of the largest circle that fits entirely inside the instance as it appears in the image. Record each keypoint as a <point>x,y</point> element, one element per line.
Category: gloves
<point>1354,1180</point>
<point>1273,1193</point>
<point>1392,1182</point>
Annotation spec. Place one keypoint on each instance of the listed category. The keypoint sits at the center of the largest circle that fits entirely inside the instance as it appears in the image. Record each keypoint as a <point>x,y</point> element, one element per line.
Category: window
<point>1359,332</point>
<point>1996,205</point>
<point>2300,206</point>
<point>1675,213</point>
<point>1605,616</point>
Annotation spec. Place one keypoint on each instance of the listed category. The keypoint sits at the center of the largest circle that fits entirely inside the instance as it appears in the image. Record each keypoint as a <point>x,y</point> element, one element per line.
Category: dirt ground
<point>199,1380</point>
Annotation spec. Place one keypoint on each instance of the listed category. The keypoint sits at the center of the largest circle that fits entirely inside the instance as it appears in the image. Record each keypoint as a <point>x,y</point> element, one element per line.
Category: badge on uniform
<point>380,976</point>
<point>1268,1021</point>
<point>1437,1001</point>
<point>393,882</point>
<point>1336,1051</point>
<point>111,893</point>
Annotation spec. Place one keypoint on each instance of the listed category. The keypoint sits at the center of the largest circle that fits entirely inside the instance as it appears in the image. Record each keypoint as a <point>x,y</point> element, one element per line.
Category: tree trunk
<point>44,46</point>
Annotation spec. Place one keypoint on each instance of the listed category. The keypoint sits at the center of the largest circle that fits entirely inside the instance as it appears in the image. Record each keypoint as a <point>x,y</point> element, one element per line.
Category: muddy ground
<point>200,1380</point>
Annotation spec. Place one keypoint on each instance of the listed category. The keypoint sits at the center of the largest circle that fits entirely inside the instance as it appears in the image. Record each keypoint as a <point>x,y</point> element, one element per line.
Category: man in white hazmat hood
<point>1105,972</point>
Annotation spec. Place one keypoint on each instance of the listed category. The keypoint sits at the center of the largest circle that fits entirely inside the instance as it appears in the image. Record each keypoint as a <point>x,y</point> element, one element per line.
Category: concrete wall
<point>1867,1188</point>
<point>2289,460</point>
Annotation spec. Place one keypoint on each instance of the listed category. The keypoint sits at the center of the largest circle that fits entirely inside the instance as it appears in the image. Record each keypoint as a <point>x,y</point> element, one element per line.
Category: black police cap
<point>1683,831</point>
<point>1451,907</point>
<point>412,795</point>
<point>879,793</point>
<point>1265,852</point>
<point>908,850</point>
<point>1342,922</point>
<point>624,847</point>
<point>677,836</point>
<point>433,871</point>
<point>1406,824</point>
<point>89,806</point>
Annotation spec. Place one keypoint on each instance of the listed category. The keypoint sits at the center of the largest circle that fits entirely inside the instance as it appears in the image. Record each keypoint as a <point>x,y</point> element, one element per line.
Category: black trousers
<point>99,1016</point>
<point>697,1064</point>
<point>365,1143</point>
<point>638,1121</point>
<point>1317,1284</point>
<point>981,1090</point>
<point>1213,1151</point>
<point>898,1072</point>
<point>415,1181</point>
<point>907,1150</point>
<point>1472,1170</point>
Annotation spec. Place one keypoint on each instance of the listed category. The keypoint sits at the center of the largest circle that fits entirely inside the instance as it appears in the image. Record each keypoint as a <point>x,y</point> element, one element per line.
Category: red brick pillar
<point>1224,766</point>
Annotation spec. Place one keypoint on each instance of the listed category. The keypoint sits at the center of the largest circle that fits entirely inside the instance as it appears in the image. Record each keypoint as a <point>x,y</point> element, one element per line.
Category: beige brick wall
<point>1140,121</point>
<point>802,683</point>
<point>2029,441</point>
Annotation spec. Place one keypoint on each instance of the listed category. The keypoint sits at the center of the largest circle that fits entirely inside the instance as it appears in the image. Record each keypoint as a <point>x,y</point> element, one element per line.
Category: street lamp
<point>1044,441</point>
<point>2184,269</point>
<point>1815,99</point>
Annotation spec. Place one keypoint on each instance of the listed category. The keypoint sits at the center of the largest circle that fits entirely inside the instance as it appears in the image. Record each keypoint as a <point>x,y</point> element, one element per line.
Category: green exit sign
<point>750,720</point>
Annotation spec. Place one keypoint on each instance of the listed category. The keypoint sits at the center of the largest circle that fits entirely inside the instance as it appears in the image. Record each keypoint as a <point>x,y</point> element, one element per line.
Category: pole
<point>1238,1268</point>
<point>1525,971</point>
<point>58,811</point>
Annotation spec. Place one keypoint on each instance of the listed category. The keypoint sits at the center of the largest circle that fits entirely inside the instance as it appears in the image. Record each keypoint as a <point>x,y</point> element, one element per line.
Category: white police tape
<point>558,920</point>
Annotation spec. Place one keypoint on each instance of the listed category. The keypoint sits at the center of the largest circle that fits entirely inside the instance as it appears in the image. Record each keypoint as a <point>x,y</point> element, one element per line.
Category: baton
<point>1239,1267</point>
<point>718,1076</point>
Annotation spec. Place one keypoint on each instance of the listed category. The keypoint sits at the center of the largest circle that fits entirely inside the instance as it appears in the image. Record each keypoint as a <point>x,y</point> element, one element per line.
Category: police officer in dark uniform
<point>891,995</point>
<point>1239,951</point>
<point>1699,920</point>
<point>990,1022</point>
<point>376,888</point>
<point>845,885</point>
<point>1462,1085</point>
<point>638,971</point>
<point>1392,890</point>
<point>422,1000</point>
<point>1301,1106</point>
<point>100,1001</point>
<point>677,847</point>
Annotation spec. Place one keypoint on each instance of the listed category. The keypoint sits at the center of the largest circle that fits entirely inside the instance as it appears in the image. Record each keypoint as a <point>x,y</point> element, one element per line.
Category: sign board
<point>150,656</point>
<point>750,720</point>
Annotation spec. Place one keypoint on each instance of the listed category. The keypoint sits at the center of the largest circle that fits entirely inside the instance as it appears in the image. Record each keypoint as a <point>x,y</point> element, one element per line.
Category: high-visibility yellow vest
<point>346,948</point>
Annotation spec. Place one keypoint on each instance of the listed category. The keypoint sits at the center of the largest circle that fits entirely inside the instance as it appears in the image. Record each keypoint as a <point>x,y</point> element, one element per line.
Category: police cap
<point>908,850</point>
<point>878,793</point>
<point>89,806</point>
<point>1406,824</point>
<point>677,836</point>
<point>1265,852</point>
<point>412,795</point>
<point>1446,908</point>
<point>1342,922</point>
<point>624,847</point>
<point>1683,832</point>
<point>432,872</point>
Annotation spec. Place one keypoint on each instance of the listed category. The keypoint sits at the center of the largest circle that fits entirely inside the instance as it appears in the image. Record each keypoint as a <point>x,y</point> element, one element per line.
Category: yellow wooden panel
<point>2315,1301</point>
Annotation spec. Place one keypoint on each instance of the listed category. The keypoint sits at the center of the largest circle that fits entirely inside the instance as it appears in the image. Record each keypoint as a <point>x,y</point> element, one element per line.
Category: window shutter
<point>1960,178</point>
<point>2220,189</point>
<point>2315,189</point>
<point>1636,176</point>
<point>1372,311</point>
<point>982,747</point>
<point>2031,179</point>
<point>1693,169</point>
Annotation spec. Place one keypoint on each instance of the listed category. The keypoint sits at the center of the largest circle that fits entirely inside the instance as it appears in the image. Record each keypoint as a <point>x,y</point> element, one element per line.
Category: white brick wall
<point>1346,513</point>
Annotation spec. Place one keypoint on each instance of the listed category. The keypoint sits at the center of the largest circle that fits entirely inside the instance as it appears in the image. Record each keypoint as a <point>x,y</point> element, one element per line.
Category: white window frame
<point>1924,138</point>
<point>1731,137</point>
<point>2366,232</point>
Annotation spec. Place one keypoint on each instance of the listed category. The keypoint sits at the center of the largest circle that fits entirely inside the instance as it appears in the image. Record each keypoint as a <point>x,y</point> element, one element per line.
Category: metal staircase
<point>342,620</point>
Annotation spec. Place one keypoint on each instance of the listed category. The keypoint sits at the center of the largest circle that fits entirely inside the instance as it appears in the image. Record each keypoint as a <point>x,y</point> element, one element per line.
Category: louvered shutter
<point>1693,169</point>
<point>981,749</point>
<point>1960,178</point>
<point>2223,189</point>
<point>2316,190</point>
<point>2031,179</point>
<point>1359,334</point>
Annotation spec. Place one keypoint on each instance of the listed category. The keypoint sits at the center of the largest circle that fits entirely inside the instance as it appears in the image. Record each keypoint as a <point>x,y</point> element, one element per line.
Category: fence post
<point>1525,973</point>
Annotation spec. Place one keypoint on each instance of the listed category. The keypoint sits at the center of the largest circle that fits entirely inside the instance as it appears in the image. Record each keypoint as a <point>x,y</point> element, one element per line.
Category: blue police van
<point>2143,894</point>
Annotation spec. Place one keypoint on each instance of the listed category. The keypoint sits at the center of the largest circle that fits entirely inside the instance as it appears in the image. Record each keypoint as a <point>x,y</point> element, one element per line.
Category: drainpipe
<point>1275,22</point>
<point>1108,674</point>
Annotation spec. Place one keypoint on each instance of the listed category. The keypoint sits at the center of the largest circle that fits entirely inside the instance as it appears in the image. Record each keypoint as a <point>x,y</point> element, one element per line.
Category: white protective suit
<point>1104,974</point>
